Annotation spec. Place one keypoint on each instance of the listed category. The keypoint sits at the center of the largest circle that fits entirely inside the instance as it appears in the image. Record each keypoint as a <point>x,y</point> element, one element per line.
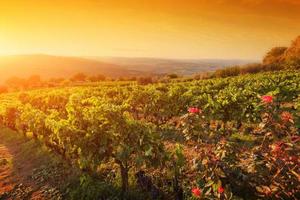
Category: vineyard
<point>225,138</point>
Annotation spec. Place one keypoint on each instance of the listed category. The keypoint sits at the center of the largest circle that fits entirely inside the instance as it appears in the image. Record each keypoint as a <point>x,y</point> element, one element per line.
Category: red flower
<point>267,99</point>
<point>286,117</point>
<point>194,110</point>
<point>220,189</point>
<point>196,192</point>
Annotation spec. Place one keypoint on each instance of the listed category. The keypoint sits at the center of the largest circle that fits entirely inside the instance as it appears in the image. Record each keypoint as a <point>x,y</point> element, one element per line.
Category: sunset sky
<point>227,29</point>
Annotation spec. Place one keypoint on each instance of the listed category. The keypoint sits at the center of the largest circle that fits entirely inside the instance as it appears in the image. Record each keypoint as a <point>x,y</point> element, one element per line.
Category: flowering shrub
<point>194,124</point>
<point>279,164</point>
<point>210,176</point>
<point>268,169</point>
<point>276,121</point>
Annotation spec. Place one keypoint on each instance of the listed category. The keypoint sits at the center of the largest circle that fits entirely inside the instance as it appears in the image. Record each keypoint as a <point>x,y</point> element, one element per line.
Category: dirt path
<point>25,177</point>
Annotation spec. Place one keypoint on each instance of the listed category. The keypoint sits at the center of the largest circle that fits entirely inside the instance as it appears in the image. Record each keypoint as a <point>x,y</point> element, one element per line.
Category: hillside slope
<point>48,66</point>
<point>56,66</point>
<point>168,66</point>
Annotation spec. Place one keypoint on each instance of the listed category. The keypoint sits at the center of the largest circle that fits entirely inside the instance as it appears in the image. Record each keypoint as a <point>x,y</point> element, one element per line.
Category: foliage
<point>275,55</point>
<point>78,77</point>
<point>241,134</point>
<point>144,80</point>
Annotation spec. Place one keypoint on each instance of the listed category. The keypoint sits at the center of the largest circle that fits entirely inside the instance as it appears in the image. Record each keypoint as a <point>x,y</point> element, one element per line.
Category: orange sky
<point>148,28</point>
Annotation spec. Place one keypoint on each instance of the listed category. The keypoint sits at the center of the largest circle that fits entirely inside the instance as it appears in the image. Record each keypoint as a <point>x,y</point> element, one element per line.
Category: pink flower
<point>286,117</point>
<point>220,189</point>
<point>196,192</point>
<point>194,110</point>
<point>267,99</point>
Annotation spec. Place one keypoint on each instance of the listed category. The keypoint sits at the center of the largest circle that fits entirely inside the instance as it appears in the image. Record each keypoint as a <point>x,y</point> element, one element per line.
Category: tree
<point>293,52</point>
<point>15,82</point>
<point>292,55</point>
<point>3,89</point>
<point>97,78</point>
<point>133,78</point>
<point>79,77</point>
<point>251,68</point>
<point>144,80</point>
<point>34,81</point>
<point>55,81</point>
<point>121,79</point>
<point>172,76</point>
<point>274,56</point>
<point>203,75</point>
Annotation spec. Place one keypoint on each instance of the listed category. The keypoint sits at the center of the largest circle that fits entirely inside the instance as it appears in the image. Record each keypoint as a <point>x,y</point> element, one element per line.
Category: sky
<point>225,29</point>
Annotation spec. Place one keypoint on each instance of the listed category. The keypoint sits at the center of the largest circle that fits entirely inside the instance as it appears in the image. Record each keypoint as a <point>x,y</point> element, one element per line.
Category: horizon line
<point>128,57</point>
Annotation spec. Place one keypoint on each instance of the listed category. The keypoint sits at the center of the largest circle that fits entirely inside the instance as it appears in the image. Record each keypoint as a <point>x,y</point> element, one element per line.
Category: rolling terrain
<point>48,66</point>
<point>168,66</point>
<point>56,66</point>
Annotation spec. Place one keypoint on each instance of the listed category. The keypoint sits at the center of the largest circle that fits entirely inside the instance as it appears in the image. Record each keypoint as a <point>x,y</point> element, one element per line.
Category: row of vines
<point>232,138</point>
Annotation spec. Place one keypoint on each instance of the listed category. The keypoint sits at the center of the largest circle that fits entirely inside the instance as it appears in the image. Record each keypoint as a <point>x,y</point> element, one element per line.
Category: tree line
<point>278,58</point>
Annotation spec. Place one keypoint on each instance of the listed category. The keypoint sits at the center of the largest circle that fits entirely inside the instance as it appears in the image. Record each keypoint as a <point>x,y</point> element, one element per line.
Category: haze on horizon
<point>225,29</point>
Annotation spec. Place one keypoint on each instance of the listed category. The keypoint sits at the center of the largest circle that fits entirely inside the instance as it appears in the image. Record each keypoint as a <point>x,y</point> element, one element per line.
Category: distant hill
<point>167,66</point>
<point>56,66</point>
<point>48,66</point>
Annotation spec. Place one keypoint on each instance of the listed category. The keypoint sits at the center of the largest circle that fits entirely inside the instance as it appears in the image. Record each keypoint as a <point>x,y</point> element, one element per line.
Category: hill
<point>56,66</point>
<point>48,66</point>
<point>168,66</point>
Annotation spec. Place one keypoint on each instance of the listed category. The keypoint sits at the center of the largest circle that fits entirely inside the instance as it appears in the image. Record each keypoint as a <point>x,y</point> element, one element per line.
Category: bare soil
<point>27,171</point>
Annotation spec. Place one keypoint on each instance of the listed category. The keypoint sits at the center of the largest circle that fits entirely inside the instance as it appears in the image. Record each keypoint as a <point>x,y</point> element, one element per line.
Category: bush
<point>275,55</point>
<point>145,80</point>
<point>292,64</point>
<point>172,76</point>
<point>206,75</point>
<point>78,77</point>
<point>229,71</point>
<point>15,82</point>
<point>97,78</point>
<point>3,89</point>
<point>251,68</point>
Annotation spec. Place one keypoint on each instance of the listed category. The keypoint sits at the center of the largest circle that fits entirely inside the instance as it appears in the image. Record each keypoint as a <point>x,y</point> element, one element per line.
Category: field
<point>222,138</point>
